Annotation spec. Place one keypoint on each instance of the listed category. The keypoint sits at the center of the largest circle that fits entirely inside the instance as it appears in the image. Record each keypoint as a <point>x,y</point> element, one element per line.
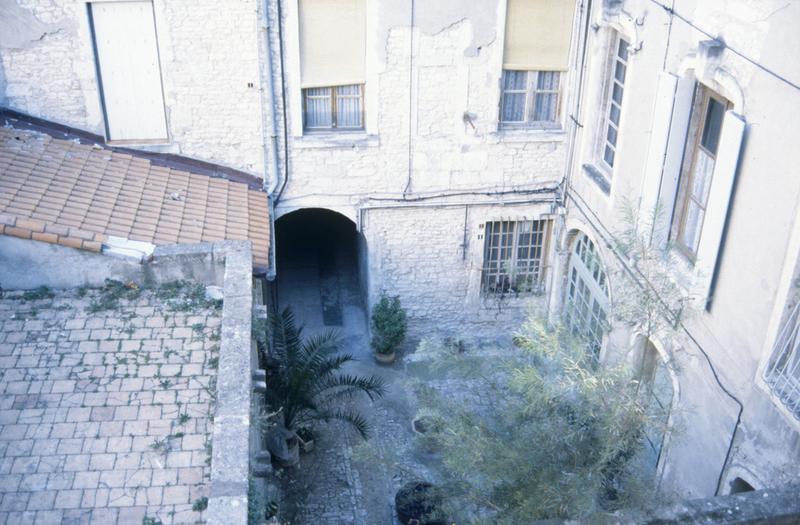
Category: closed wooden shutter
<point>538,34</point>
<point>332,42</point>
<point>130,75</point>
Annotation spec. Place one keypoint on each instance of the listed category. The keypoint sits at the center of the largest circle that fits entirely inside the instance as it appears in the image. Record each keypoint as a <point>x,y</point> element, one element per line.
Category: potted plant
<point>388,328</point>
<point>305,384</point>
<point>306,438</point>
<point>420,503</point>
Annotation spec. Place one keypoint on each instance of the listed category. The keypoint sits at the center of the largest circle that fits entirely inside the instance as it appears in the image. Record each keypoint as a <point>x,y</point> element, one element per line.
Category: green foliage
<point>305,378</point>
<point>647,298</point>
<point>185,296</point>
<point>552,435</point>
<point>111,293</point>
<point>200,504</point>
<point>42,292</point>
<point>389,325</point>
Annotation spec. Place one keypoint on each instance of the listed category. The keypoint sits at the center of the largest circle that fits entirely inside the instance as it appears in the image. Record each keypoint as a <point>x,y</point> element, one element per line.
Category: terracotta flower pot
<point>385,359</point>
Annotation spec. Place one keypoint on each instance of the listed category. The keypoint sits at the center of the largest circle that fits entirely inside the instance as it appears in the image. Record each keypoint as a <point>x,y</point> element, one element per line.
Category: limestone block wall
<point>209,57</point>
<point>432,257</point>
<point>431,115</point>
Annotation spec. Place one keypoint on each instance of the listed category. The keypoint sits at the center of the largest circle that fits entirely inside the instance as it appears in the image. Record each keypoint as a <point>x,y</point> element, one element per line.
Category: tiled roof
<point>77,195</point>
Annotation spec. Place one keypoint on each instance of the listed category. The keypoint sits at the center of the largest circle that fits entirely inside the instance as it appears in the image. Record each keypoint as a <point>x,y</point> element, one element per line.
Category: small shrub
<point>389,325</point>
<point>42,292</point>
<point>111,293</point>
<point>200,504</point>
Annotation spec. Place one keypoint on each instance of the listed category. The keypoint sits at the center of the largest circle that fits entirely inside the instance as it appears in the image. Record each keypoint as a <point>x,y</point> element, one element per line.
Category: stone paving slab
<point>106,414</point>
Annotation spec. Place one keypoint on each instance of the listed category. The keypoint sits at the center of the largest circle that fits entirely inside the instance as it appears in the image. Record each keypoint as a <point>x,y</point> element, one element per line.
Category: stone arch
<point>321,251</point>
<point>705,65</point>
<point>644,349</point>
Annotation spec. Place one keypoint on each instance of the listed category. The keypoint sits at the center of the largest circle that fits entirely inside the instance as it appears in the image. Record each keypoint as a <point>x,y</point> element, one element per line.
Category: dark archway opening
<point>321,267</point>
<point>739,485</point>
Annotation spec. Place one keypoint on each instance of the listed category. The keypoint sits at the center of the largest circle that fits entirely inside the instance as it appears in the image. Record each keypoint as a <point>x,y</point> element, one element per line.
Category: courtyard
<point>107,404</point>
<point>345,480</point>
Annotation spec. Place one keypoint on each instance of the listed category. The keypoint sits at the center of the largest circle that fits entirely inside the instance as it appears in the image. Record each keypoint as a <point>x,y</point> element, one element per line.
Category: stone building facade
<point>475,195</point>
<point>707,104</point>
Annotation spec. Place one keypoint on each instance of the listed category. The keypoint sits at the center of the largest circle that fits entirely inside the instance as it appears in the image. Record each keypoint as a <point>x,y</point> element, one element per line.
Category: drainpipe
<point>271,145</point>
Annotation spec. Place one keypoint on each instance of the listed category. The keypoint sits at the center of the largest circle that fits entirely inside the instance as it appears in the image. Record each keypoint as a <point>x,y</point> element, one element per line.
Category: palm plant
<point>305,381</point>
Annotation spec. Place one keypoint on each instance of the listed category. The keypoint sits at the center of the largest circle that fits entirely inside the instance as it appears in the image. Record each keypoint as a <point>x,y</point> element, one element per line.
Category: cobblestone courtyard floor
<point>106,405</point>
<point>343,480</point>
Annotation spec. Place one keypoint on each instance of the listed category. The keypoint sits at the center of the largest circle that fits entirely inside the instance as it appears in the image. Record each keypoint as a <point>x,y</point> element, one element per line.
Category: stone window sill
<point>510,135</point>
<point>336,140</point>
<point>599,177</point>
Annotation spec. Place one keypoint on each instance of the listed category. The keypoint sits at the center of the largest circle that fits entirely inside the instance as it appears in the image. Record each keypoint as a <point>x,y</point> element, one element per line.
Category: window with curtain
<point>514,253</point>
<point>705,129</point>
<point>536,48</point>
<point>530,99</point>
<point>332,63</point>
<point>333,108</point>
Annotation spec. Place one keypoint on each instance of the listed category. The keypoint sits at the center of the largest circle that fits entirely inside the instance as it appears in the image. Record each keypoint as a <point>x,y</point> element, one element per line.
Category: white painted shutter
<point>332,42</point>
<point>127,57</point>
<point>657,150</point>
<point>673,116</point>
<point>730,143</point>
<point>538,34</point>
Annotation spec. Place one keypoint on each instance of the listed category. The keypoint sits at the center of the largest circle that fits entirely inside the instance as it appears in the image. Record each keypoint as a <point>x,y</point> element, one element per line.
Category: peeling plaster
<point>432,18</point>
<point>19,26</point>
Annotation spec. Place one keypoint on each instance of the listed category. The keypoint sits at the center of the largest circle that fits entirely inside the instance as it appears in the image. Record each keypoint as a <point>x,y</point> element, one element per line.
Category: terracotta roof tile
<point>60,191</point>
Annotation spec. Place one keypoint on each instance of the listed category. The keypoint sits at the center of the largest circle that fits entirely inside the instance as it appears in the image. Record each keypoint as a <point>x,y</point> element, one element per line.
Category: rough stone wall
<point>420,255</point>
<point>446,153</point>
<point>419,133</point>
<point>209,57</point>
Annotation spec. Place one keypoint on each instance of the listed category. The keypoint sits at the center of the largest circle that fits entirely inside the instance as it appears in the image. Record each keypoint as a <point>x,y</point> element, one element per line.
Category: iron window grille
<point>514,252</point>
<point>586,304</point>
<point>619,67</point>
<point>333,108</point>
<point>783,372</point>
<point>530,99</point>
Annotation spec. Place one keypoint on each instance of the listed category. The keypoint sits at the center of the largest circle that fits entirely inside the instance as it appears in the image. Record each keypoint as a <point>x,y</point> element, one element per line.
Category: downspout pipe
<point>271,142</point>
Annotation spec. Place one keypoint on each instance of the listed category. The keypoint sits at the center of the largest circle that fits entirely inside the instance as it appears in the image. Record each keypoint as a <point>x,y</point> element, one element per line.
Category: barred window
<point>530,99</point>
<point>586,304</point>
<point>333,108</point>
<point>783,372</point>
<point>514,252</point>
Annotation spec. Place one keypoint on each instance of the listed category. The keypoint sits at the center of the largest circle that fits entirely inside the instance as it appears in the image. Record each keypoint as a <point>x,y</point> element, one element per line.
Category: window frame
<point>614,58</point>
<point>782,373</point>
<point>653,374</point>
<point>697,126</point>
<point>590,277</point>
<point>334,97</point>
<point>531,91</point>
<point>508,268</point>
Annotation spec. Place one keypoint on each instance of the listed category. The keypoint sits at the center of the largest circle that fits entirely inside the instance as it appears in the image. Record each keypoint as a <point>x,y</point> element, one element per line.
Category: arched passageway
<point>318,255</point>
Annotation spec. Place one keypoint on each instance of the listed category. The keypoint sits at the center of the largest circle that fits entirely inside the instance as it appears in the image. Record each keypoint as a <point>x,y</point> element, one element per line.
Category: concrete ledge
<point>779,506</point>
<point>230,459</point>
<point>26,264</point>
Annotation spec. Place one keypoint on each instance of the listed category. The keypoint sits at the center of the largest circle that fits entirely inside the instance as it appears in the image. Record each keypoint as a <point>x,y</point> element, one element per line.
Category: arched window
<point>586,303</point>
<point>655,387</point>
